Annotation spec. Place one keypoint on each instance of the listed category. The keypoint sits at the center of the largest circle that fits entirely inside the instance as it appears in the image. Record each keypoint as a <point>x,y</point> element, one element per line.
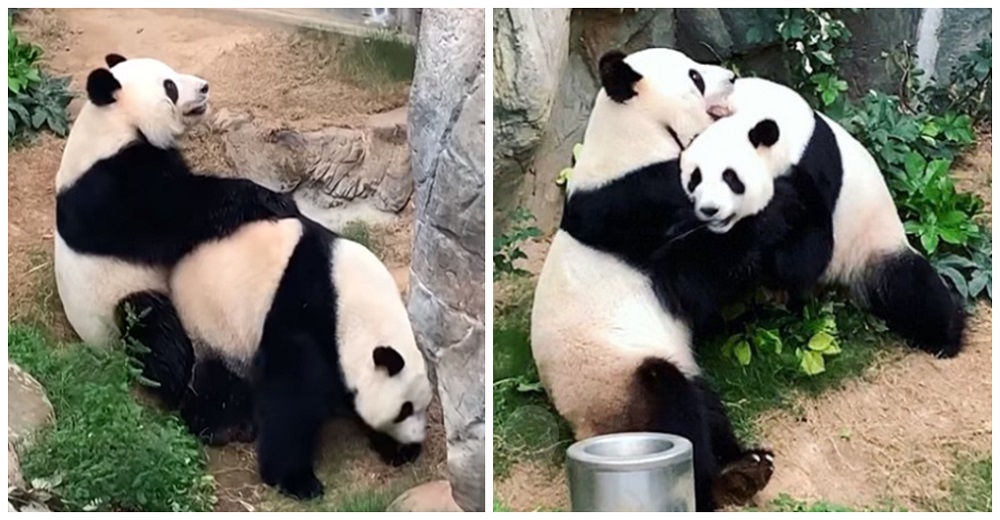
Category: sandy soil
<point>893,434</point>
<point>279,75</point>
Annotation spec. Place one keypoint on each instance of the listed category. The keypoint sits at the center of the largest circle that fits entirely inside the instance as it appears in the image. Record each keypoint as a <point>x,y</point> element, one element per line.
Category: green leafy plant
<point>507,246</point>
<point>35,100</point>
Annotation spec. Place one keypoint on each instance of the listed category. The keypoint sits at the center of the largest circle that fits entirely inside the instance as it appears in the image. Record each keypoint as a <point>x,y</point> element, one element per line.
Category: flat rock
<point>432,497</point>
<point>28,408</point>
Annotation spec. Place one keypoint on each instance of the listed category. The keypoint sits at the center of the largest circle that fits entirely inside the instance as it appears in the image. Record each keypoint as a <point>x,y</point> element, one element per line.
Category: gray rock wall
<point>447,292</point>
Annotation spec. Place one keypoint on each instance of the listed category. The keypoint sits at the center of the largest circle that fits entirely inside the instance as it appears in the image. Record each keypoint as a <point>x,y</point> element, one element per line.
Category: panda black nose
<point>732,77</point>
<point>708,211</point>
<point>204,89</point>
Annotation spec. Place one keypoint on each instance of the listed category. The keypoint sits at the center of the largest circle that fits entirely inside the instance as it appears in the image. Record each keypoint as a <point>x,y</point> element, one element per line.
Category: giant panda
<point>845,228</point>
<point>291,323</point>
<point>128,207</point>
<point>610,351</point>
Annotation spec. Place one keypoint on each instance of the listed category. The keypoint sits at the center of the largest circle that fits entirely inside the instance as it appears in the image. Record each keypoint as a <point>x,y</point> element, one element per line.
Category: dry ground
<point>891,435</point>
<point>279,75</point>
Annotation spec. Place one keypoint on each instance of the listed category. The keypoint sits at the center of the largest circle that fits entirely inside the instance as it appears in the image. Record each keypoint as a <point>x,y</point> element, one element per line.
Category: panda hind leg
<point>150,318</point>
<point>907,292</point>
<point>745,472</point>
<point>292,399</point>
<point>218,406</point>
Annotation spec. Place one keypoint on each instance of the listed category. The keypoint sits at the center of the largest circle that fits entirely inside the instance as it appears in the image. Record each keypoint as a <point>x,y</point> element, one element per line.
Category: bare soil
<point>281,75</point>
<point>892,435</point>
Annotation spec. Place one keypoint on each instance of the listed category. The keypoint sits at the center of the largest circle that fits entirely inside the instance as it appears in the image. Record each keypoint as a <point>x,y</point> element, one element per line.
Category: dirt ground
<point>276,73</point>
<point>892,435</point>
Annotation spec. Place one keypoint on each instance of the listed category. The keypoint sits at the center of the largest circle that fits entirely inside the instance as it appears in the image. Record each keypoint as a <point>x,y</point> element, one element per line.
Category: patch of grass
<point>525,424</point>
<point>106,451</point>
<point>377,59</point>
<point>363,233</point>
<point>971,487</point>
<point>369,500</point>
<point>499,507</point>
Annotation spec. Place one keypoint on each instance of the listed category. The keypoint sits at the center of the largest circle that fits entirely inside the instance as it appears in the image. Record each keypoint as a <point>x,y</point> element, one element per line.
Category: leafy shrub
<point>507,246</point>
<point>35,100</point>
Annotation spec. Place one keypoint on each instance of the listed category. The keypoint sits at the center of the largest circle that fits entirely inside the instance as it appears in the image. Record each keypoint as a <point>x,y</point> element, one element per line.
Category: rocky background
<point>447,284</point>
<point>545,77</point>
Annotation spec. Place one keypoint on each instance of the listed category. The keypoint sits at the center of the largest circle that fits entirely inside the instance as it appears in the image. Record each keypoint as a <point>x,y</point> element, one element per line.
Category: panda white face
<point>725,174</point>
<point>674,90</point>
<point>394,400</point>
<point>148,95</point>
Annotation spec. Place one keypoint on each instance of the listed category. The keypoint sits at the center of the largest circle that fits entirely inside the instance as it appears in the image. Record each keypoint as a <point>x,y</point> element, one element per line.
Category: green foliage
<point>968,88</point>
<point>787,504</point>
<point>35,100</point>
<point>971,488</point>
<point>507,246</point>
<point>106,452</point>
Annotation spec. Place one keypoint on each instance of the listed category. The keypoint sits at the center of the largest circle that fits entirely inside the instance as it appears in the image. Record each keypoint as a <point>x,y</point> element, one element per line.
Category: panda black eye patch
<point>695,180</point>
<point>171,89</point>
<point>734,182</point>
<point>698,81</point>
<point>404,411</point>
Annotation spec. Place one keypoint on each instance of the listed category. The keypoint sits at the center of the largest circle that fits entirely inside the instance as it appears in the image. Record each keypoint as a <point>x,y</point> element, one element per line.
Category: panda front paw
<point>300,485</point>
<point>392,452</point>
<point>743,478</point>
<point>405,454</point>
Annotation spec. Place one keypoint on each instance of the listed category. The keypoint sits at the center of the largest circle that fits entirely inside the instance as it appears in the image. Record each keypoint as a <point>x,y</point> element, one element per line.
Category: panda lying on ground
<point>827,213</point>
<point>611,350</point>
<point>128,208</point>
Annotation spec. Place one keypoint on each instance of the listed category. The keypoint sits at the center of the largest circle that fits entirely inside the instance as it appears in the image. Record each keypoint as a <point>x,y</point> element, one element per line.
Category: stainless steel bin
<point>626,472</point>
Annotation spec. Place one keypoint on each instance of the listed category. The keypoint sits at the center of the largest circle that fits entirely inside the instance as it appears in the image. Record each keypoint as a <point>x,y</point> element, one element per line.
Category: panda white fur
<point>842,224</point>
<point>128,207</point>
<point>609,350</point>
<point>291,323</point>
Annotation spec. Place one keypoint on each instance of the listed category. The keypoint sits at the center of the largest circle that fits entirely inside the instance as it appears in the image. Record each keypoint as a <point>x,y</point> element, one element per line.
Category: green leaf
<point>957,280</point>
<point>38,119</point>
<point>768,340</point>
<point>742,352</point>
<point>812,363</point>
<point>11,123</point>
<point>978,283</point>
<point>929,240</point>
<point>824,57</point>
<point>731,312</point>
<point>829,96</point>
<point>915,165</point>
<point>821,342</point>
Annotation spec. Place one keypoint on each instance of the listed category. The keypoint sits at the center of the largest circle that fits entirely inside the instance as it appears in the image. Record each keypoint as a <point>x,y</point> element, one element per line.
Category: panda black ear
<point>764,134</point>
<point>102,86</point>
<point>114,59</point>
<point>617,77</point>
<point>389,359</point>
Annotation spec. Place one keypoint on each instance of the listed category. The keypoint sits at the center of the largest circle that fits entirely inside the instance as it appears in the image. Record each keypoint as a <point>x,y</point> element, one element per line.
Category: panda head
<point>394,397</point>
<point>652,103</point>
<point>147,96</point>
<point>726,172</point>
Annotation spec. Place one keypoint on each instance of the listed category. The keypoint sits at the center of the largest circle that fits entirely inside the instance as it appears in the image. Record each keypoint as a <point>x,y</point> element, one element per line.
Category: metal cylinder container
<point>625,472</point>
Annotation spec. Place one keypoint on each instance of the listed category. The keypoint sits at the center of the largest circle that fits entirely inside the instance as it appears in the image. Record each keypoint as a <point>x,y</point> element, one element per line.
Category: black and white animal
<point>611,353</point>
<point>844,226</point>
<point>128,207</point>
<point>292,323</point>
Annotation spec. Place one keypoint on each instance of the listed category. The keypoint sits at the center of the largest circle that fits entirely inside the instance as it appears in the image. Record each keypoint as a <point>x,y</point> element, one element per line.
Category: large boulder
<point>28,408</point>
<point>447,286</point>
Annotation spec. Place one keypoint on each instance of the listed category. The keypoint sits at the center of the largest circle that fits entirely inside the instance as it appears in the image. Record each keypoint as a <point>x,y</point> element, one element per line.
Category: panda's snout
<point>708,211</point>
<point>204,88</point>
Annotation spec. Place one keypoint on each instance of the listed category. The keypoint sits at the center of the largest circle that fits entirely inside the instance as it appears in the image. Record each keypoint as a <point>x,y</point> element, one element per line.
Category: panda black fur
<point>128,207</point>
<point>291,324</point>
<point>845,228</point>
<point>610,350</point>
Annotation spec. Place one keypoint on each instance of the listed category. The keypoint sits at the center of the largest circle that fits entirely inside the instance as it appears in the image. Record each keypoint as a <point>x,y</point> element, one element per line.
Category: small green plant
<point>967,89</point>
<point>35,100</point>
<point>565,174</point>
<point>106,452</point>
<point>379,58</point>
<point>507,246</point>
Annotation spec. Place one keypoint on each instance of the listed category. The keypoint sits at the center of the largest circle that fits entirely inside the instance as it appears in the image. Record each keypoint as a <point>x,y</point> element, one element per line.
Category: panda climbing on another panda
<point>836,221</point>
<point>128,207</point>
<point>611,352</point>
<point>291,324</point>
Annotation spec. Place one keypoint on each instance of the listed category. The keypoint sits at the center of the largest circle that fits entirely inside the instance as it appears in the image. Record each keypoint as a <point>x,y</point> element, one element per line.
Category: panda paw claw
<point>743,478</point>
<point>301,487</point>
